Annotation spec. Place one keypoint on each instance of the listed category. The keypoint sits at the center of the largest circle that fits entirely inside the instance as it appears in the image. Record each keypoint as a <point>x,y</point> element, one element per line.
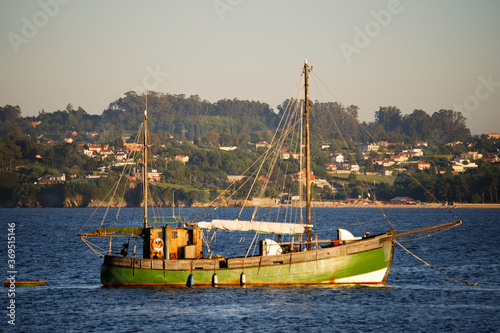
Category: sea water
<point>415,298</point>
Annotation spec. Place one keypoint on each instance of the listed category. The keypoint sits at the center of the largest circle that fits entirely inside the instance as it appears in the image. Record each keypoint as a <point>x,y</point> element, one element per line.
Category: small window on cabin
<point>174,234</point>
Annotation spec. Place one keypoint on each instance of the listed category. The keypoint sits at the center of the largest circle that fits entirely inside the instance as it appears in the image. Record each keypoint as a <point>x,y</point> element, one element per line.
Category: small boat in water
<point>25,283</point>
<point>285,250</point>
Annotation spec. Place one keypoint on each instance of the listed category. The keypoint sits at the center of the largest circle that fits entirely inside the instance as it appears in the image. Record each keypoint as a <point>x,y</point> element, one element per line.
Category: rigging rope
<point>351,155</point>
<point>433,197</point>
<point>374,140</point>
<point>429,235</point>
<point>331,93</point>
<point>274,143</point>
<point>440,271</point>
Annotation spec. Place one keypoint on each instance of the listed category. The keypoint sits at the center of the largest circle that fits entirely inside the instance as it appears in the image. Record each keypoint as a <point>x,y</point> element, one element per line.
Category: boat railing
<point>161,221</point>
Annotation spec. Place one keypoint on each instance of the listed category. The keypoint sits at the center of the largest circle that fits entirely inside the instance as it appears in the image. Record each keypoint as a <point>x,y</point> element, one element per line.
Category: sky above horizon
<point>428,55</point>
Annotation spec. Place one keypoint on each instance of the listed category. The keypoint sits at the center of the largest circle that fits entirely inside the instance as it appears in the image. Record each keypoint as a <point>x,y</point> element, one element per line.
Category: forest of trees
<point>189,118</point>
<point>25,155</point>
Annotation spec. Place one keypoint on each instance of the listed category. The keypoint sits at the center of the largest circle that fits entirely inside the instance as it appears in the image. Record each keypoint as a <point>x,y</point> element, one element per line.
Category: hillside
<point>60,142</point>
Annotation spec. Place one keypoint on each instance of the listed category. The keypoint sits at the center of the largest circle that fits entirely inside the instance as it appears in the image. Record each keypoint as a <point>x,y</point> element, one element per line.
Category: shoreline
<point>317,204</point>
<point>454,206</point>
<point>314,204</point>
<point>426,206</point>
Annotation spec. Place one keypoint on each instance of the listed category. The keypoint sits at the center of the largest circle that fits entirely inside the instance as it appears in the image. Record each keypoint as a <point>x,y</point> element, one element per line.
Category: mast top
<point>308,155</point>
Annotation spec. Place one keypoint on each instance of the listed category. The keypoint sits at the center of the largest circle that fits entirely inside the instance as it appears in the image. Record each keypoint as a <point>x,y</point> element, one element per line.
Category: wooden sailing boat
<point>176,255</point>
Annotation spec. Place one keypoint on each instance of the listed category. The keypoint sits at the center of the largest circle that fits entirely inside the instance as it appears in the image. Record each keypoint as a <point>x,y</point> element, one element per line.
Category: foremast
<point>145,168</point>
<point>308,155</point>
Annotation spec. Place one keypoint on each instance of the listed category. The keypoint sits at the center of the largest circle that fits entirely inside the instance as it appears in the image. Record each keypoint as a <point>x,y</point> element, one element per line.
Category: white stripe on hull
<point>372,277</point>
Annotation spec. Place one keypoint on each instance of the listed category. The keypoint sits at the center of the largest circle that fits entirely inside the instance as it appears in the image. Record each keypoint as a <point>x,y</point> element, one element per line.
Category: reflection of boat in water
<point>25,283</point>
<point>179,253</point>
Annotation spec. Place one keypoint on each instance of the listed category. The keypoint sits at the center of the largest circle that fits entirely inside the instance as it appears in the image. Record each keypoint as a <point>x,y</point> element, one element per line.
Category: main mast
<point>145,167</point>
<point>308,156</point>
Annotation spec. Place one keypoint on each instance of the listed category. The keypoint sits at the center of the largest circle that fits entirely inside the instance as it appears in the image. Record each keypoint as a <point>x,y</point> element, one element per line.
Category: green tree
<point>211,138</point>
<point>27,194</point>
<point>175,173</point>
<point>460,188</point>
<point>9,115</point>
<point>118,143</point>
<point>326,193</point>
<point>9,180</point>
<point>389,117</point>
<point>9,152</point>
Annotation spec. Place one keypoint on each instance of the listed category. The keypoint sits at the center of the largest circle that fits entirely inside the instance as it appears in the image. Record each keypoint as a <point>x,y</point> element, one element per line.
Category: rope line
<point>429,235</point>
<point>437,269</point>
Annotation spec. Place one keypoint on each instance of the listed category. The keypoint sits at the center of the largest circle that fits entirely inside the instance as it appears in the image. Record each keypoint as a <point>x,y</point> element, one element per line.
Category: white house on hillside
<point>181,158</point>
<point>471,155</point>
<point>284,155</point>
<point>330,166</point>
<point>354,167</point>
<point>370,147</point>
<point>228,148</point>
<point>385,172</point>
<point>325,145</point>
<point>413,152</point>
<point>338,158</point>
<point>261,144</point>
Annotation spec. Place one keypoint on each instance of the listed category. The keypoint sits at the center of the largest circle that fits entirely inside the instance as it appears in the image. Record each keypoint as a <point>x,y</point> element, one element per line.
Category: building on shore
<point>403,201</point>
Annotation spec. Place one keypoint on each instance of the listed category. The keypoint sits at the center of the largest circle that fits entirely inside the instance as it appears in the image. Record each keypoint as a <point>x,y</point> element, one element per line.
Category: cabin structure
<point>173,243</point>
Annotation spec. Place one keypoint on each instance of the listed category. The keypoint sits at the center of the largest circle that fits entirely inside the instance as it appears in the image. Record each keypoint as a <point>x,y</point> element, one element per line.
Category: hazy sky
<point>429,54</point>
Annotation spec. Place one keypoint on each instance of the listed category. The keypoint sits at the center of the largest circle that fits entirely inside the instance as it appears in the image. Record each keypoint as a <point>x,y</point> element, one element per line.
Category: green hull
<point>25,283</point>
<point>367,261</point>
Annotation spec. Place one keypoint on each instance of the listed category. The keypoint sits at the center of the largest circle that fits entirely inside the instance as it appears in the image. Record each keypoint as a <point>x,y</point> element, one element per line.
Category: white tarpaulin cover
<point>263,227</point>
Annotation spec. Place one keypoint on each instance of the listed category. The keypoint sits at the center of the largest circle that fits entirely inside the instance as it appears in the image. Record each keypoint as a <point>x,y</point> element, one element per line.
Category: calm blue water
<point>416,297</point>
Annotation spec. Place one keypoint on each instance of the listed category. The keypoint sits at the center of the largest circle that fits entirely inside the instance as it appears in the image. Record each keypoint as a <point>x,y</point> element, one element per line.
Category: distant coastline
<point>323,204</point>
<point>458,205</point>
<point>269,203</point>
